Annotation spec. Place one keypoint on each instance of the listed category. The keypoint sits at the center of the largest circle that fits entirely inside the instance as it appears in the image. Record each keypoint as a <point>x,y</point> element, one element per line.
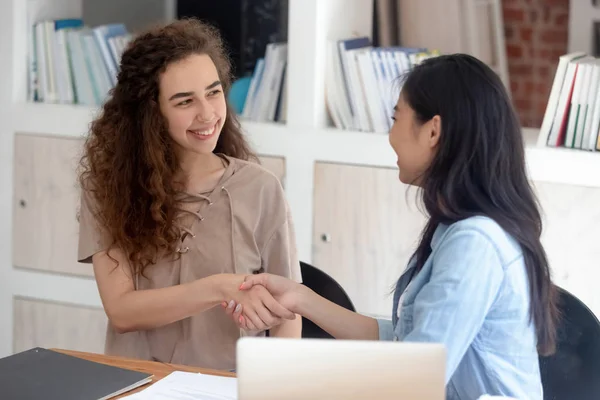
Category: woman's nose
<point>206,113</point>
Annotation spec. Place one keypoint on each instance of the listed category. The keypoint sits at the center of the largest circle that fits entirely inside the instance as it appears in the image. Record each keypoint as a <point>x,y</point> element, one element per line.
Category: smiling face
<point>413,141</point>
<point>191,99</point>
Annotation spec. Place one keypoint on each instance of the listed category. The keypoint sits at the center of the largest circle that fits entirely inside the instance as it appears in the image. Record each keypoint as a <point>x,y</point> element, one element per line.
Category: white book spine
<point>553,99</point>
<point>373,99</point>
<point>52,95</point>
<point>591,105</point>
<point>563,104</point>
<point>40,49</point>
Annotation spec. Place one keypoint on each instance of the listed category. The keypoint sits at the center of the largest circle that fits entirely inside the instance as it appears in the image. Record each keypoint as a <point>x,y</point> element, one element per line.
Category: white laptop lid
<point>290,369</point>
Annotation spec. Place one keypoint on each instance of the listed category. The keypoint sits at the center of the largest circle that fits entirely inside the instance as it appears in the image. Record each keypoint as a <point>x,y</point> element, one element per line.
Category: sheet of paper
<point>189,386</point>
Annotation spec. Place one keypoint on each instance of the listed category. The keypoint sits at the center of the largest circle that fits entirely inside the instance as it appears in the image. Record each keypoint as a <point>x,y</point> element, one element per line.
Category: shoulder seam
<point>268,241</point>
<point>487,239</point>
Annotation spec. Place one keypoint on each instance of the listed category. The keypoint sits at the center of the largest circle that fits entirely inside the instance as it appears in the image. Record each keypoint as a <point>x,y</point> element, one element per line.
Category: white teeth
<point>206,132</point>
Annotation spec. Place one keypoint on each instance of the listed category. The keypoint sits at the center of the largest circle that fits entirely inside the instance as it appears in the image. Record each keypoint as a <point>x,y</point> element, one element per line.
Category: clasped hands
<point>263,301</point>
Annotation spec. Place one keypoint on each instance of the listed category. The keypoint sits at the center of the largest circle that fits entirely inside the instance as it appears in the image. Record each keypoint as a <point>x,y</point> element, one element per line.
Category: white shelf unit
<point>302,141</point>
<point>309,145</point>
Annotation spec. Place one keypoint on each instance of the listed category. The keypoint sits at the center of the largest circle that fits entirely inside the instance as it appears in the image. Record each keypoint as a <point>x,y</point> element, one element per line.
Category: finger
<point>276,309</point>
<point>253,280</point>
<point>241,322</point>
<point>230,307</point>
<point>269,319</point>
<point>237,312</point>
<point>238,318</point>
<point>246,324</point>
<point>252,317</point>
<point>249,325</point>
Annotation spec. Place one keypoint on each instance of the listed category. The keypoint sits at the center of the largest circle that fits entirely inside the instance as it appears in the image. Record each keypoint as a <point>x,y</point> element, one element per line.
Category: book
<point>363,82</point>
<point>39,373</point>
<point>572,116</point>
<point>72,63</point>
<point>265,100</point>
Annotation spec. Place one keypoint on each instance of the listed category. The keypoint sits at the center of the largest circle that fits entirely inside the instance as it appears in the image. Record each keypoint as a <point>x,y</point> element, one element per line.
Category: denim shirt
<point>472,295</point>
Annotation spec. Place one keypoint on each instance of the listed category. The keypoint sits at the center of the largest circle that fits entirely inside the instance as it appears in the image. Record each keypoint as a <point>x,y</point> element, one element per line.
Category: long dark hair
<point>479,169</point>
<point>129,163</point>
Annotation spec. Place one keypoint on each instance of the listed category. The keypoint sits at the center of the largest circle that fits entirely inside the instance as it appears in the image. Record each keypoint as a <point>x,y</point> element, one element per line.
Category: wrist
<point>224,286</point>
<point>302,300</point>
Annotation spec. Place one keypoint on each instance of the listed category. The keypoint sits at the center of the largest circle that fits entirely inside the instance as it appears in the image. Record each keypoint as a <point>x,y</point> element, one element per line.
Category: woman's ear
<point>435,130</point>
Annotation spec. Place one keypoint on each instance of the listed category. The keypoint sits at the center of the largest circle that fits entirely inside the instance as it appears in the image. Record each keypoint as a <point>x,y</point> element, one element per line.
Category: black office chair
<point>324,285</point>
<point>573,372</point>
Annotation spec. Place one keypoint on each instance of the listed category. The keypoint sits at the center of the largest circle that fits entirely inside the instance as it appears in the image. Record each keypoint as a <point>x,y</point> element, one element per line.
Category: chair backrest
<point>573,372</point>
<point>327,287</point>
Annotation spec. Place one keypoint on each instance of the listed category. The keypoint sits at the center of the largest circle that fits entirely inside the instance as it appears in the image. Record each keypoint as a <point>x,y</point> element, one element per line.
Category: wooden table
<point>158,369</point>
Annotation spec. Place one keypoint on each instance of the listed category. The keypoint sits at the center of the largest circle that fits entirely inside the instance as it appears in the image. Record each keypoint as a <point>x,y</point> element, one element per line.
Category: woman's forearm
<point>152,308</point>
<point>288,329</point>
<point>338,321</point>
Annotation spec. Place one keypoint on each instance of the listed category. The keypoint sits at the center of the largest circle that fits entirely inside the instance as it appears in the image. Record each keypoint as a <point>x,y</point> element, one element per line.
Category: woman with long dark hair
<point>479,280</point>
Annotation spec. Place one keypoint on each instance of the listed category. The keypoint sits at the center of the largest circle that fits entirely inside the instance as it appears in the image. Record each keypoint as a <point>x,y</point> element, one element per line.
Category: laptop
<point>294,369</point>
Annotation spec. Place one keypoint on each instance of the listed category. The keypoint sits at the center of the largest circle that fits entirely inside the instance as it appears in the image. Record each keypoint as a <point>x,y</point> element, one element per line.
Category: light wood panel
<point>46,201</point>
<point>366,226</point>
<point>434,24</point>
<point>45,324</point>
<point>45,204</point>
<point>571,238</point>
<point>442,25</point>
<point>364,232</point>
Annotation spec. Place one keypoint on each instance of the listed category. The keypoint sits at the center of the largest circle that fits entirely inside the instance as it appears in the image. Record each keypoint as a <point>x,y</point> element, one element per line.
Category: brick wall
<point>536,33</point>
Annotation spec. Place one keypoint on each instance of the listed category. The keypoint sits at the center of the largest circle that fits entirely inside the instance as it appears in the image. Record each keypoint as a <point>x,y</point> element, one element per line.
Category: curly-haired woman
<point>175,211</point>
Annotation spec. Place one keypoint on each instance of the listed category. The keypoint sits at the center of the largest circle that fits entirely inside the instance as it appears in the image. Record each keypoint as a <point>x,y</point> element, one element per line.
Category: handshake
<point>264,301</point>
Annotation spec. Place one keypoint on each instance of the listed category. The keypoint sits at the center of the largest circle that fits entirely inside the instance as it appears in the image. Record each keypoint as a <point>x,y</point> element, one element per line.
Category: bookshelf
<point>305,142</point>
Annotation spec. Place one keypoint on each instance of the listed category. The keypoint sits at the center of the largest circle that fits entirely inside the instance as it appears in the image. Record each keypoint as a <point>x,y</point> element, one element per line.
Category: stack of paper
<point>189,386</point>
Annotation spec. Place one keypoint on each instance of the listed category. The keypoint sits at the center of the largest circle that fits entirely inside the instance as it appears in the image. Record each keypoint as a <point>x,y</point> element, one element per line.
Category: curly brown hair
<point>128,164</point>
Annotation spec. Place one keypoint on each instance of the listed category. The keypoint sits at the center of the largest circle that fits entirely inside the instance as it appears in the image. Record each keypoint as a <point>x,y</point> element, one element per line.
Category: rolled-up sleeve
<point>386,329</point>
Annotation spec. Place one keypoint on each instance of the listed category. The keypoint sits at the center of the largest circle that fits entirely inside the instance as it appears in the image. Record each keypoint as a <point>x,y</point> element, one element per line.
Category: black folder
<point>45,374</point>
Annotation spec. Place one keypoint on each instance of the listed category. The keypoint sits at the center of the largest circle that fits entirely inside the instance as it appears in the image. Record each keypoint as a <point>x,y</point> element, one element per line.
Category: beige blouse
<point>242,226</point>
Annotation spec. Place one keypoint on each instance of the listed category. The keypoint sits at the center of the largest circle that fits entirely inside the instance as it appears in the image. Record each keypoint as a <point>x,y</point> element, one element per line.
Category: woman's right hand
<point>261,311</point>
<point>284,291</point>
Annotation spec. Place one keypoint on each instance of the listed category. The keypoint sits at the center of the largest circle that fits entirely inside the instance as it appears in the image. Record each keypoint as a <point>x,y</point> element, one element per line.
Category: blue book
<point>103,34</point>
<point>68,23</point>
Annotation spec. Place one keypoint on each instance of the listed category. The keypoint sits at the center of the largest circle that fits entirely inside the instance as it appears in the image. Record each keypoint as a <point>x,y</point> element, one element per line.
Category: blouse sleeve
<point>92,237</point>
<point>280,255</point>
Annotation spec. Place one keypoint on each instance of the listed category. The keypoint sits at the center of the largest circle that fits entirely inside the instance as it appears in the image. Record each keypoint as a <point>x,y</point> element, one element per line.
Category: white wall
<point>6,160</point>
<point>135,14</point>
<point>582,15</point>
